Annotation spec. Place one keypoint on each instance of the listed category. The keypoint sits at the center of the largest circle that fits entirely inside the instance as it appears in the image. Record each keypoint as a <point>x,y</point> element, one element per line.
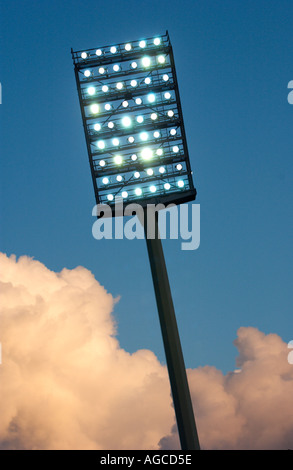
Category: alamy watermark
<point>174,222</point>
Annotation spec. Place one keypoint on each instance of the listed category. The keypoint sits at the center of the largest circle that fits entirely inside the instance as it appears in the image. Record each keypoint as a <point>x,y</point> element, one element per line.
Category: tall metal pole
<point>173,351</point>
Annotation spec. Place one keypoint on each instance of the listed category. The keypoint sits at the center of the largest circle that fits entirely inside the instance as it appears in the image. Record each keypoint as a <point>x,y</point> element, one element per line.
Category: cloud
<point>65,382</point>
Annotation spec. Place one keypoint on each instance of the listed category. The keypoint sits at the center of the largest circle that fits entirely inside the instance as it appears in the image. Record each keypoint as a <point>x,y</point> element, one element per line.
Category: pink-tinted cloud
<point>65,382</point>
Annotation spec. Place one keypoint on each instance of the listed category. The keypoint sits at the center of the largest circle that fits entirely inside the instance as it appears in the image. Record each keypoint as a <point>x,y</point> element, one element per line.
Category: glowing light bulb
<point>126,121</point>
<point>147,81</point>
<point>87,73</point>
<point>115,142</point>
<point>110,197</point>
<point>119,178</point>
<point>151,98</point>
<point>108,106</point>
<point>105,88</point>
<point>154,116</point>
<point>139,119</point>
<point>159,152</point>
<point>113,49</point>
<point>157,41</point>
<point>83,55</point>
<point>161,59</point>
<point>165,77</point>
<point>128,47</point>
<point>138,191</point>
<point>146,61</point>
<point>95,108</point>
<point>99,52</point>
<point>133,65</point>
<point>102,163</point>
<point>134,157</point>
<point>125,104</point>
<point>97,127</point>
<point>173,132</point>
<point>124,194</point>
<point>105,180</point>
<point>175,149</point>
<point>133,83</point>
<point>118,159</point>
<point>180,184</point>
<point>136,174</point>
<point>156,134</point>
<point>116,68</point>
<point>167,95</point>
<point>144,136</point>
<point>101,70</point>
<point>162,169</point>
<point>150,171</point>
<point>110,125</point>
<point>119,86</point>
<point>142,44</point>
<point>138,100</point>
<point>153,189</point>
<point>167,186</point>
<point>130,139</point>
<point>101,144</point>
<point>147,153</point>
<point>170,113</point>
<point>91,90</point>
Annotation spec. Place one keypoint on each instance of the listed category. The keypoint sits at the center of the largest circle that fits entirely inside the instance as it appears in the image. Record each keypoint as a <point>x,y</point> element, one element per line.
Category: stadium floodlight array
<point>133,123</point>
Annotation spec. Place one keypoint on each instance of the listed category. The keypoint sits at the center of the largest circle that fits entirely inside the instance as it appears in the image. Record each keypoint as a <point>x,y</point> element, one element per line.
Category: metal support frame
<point>173,351</point>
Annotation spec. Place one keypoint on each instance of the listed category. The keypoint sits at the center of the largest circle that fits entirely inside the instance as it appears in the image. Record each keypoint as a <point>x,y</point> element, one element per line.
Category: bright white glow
<point>161,59</point>
<point>91,90</point>
<point>133,83</point>
<point>124,194</point>
<point>156,134</point>
<point>102,163</point>
<point>162,169</point>
<point>170,113</point>
<point>139,119</point>
<point>147,81</point>
<point>150,172</point>
<point>144,136</point>
<point>95,108</point>
<point>110,125</point>
<point>138,191</point>
<point>105,180</point>
<point>128,47</point>
<point>116,68</point>
<point>180,184</point>
<point>105,88</point>
<point>126,121</point>
<point>167,186</point>
<point>153,189</point>
<point>113,49</point>
<point>134,157</point>
<point>97,127</point>
<point>118,159</point>
<point>165,77</point>
<point>99,52</point>
<point>119,86</point>
<point>136,174</point>
<point>146,61</point>
<point>110,197</point>
<point>138,100</point>
<point>167,95</point>
<point>87,73</point>
<point>101,70</point>
<point>154,116</point>
<point>147,153</point>
<point>133,65</point>
<point>157,41</point>
<point>119,178</point>
<point>151,98</point>
<point>101,144</point>
<point>173,131</point>
<point>179,167</point>
<point>142,44</point>
<point>108,106</point>
<point>130,139</point>
<point>83,55</point>
<point>175,149</point>
<point>115,142</point>
<point>159,152</point>
<point>125,104</point>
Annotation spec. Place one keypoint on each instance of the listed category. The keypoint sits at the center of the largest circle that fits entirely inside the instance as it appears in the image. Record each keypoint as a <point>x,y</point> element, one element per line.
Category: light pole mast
<point>173,351</point>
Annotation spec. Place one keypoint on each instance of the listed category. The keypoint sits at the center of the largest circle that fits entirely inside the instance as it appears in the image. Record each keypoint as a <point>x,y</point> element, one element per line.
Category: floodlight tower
<point>137,149</point>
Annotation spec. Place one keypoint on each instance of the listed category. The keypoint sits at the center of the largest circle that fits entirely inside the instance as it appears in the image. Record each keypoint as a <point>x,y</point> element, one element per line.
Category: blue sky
<point>234,62</point>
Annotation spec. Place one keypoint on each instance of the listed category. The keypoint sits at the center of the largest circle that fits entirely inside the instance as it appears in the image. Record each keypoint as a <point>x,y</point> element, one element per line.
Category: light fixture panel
<point>133,122</point>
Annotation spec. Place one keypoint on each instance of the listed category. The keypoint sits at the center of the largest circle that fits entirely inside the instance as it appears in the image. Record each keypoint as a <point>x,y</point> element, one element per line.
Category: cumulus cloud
<point>66,383</point>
